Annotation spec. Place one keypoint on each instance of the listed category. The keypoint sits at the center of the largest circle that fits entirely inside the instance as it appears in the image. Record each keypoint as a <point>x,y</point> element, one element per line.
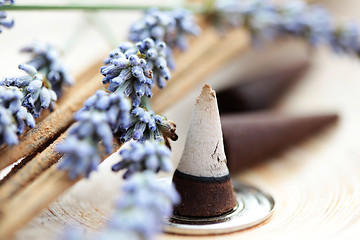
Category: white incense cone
<point>204,139</point>
<point>202,177</point>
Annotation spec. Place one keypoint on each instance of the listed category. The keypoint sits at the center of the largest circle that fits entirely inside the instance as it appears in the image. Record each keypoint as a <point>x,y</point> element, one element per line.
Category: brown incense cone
<point>259,92</point>
<point>202,177</point>
<point>253,138</point>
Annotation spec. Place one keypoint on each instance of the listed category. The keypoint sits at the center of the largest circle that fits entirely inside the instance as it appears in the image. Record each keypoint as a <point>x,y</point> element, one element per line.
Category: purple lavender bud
<point>30,121</point>
<point>121,62</point>
<point>148,92</point>
<point>44,97</point>
<point>10,137</point>
<point>137,72</point>
<point>152,53</point>
<point>144,116</point>
<point>104,132</point>
<point>34,86</point>
<point>126,46</point>
<point>135,99</point>
<point>102,103</point>
<point>134,60</point>
<point>139,88</point>
<point>46,58</point>
<point>138,130</point>
<point>28,69</point>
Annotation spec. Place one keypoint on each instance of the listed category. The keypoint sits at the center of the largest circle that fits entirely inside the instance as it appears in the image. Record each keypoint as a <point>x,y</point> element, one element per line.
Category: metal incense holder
<point>254,207</point>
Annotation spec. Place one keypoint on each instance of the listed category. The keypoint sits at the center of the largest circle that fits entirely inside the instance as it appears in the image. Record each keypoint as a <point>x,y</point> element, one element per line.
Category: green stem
<point>145,102</point>
<point>108,7</point>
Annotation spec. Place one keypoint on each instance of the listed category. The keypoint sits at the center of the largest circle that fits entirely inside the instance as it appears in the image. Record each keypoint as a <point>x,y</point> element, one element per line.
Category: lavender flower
<point>13,117</point>
<point>46,58</point>
<point>155,55</point>
<point>4,21</point>
<point>185,25</point>
<point>145,124</point>
<point>142,209</point>
<point>171,27</point>
<point>127,74</point>
<point>266,21</point>
<point>82,154</point>
<point>141,156</point>
<point>114,105</point>
<point>37,91</point>
<point>313,23</point>
<point>139,214</point>
<point>103,112</point>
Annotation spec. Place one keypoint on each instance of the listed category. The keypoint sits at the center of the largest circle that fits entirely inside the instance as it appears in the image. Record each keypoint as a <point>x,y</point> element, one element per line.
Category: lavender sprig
<point>103,112</point>
<point>139,214</point>
<point>171,27</point>
<point>46,58</point>
<point>155,67</point>
<point>37,91</point>
<point>81,146</point>
<point>142,209</point>
<point>127,74</point>
<point>4,21</point>
<point>266,20</point>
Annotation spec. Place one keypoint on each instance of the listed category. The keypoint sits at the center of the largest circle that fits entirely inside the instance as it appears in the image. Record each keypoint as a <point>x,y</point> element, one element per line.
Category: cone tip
<point>207,93</point>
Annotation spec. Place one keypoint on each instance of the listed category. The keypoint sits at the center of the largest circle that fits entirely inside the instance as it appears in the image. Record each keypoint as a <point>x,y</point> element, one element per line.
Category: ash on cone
<point>202,177</point>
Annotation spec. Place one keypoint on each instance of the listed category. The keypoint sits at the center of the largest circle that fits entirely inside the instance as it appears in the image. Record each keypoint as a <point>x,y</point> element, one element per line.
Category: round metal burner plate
<point>254,207</point>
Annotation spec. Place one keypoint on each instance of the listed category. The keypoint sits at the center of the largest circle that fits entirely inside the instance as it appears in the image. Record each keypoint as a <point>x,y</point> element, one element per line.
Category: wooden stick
<point>15,169</point>
<point>52,126</point>
<point>30,171</point>
<point>29,204</point>
<point>26,203</point>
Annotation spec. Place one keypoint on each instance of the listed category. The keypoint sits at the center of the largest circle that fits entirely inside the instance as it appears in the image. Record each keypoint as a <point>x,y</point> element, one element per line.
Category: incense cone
<point>253,138</point>
<point>202,177</point>
<point>259,92</point>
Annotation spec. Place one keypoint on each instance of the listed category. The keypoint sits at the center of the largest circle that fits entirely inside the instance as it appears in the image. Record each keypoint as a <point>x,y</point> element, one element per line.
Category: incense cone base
<point>204,196</point>
<point>250,139</point>
<point>253,207</point>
